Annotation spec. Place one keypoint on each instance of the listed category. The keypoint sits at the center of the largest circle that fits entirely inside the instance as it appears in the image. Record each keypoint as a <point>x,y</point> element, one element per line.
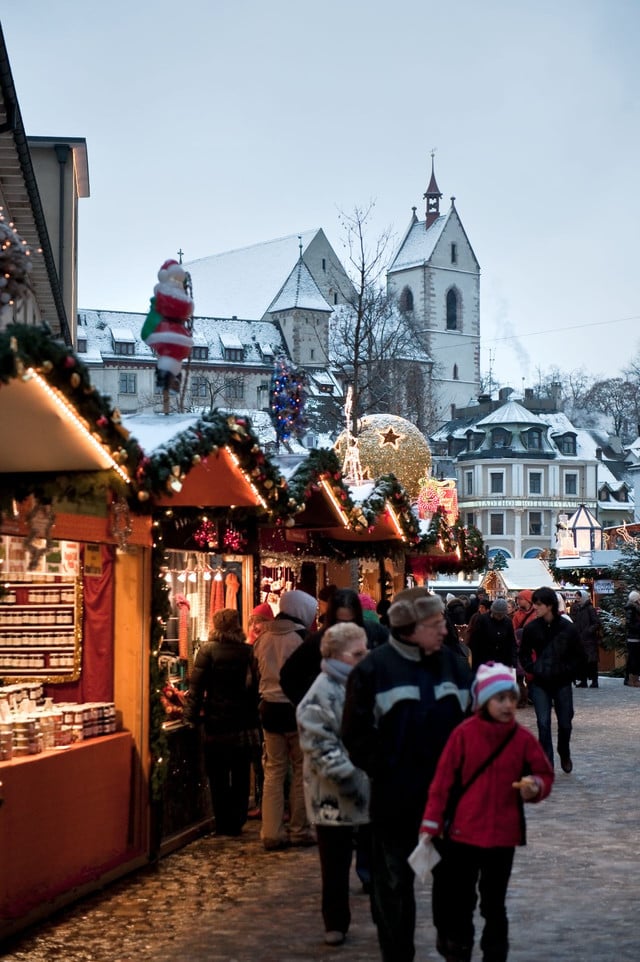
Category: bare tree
<point>370,338</point>
<point>618,398</point>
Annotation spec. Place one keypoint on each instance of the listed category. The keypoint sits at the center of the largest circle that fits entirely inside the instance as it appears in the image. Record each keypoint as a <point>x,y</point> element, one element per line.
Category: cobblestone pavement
<point>574,893</point>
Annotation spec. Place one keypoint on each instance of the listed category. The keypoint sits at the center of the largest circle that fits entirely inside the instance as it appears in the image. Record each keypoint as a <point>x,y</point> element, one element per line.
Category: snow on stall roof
<point>152,431</point>
<point>419,243</point>
<point>526,573</point>
<point>243,282</point>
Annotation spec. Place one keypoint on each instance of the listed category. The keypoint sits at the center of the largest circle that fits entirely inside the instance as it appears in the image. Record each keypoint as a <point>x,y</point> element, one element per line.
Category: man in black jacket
<point>551,656</point>
<point>402,702</point>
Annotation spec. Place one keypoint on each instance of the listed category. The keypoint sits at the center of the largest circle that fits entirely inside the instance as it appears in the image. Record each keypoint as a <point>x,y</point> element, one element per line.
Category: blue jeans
<point>562,701</point>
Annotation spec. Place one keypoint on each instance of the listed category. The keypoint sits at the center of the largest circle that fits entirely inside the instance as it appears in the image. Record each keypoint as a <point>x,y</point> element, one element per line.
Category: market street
<point>573,895</point>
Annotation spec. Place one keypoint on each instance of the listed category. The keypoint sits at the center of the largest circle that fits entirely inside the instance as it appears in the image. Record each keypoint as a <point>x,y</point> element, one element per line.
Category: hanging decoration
<point>233,539</point>
<point>206,535</point>
<point>40,519</point>
<point>287,399</point>
<point>121,527</point>
<point>436,495</point>
<point>168,325</point>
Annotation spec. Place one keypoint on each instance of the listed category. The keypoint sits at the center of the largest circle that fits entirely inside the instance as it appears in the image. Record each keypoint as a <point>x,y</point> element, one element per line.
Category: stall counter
<point>64,820</point>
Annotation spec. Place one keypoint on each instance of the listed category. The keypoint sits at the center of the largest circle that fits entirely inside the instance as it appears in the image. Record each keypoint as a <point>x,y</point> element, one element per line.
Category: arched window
<point>406,300</point>
<point>452,310</point>
<point>455,372</point>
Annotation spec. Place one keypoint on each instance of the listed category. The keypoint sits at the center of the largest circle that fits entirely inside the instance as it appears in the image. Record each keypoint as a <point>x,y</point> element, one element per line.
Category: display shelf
<point>41,630</point>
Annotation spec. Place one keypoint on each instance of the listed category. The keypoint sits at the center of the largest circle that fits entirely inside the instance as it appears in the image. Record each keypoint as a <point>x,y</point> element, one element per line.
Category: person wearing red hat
<point>489,767</point>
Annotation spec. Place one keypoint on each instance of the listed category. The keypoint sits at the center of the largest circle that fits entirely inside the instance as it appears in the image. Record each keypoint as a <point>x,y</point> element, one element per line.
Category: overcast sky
<point>215,124</point>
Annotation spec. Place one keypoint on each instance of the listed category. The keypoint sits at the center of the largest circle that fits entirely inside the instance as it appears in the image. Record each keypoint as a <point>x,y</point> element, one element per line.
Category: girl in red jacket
<point>489,767</point>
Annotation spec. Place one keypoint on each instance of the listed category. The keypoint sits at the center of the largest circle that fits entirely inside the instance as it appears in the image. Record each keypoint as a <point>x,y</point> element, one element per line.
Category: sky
<point>217,124</point>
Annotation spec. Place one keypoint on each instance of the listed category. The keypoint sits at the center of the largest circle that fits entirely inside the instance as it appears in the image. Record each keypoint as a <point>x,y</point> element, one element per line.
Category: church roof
<point>418,243</point>
<point>243,282</point>
<point>301,291</point>
<point>511,413</point>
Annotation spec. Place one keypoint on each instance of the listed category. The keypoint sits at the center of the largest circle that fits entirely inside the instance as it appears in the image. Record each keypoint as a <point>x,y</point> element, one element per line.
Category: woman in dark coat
<point>223,695</point>
<point>585,618</point>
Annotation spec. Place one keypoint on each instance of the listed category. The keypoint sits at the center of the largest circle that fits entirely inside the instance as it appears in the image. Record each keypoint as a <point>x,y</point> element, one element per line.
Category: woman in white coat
<point>336,792</point>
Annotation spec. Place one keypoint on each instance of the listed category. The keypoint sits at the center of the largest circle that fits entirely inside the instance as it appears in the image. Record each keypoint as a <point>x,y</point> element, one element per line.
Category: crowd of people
<point>373,729</point>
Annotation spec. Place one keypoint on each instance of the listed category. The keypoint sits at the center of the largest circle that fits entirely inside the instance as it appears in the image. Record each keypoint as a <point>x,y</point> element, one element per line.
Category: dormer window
<point>124,343</point>
<point>124,347</point>
<point>567,444</point>
<point>533,440</point>
<point>82,345</point>
<point>500,438</point>
<point>199,352</point>
<point>233,354</point>
<point>232,349</point>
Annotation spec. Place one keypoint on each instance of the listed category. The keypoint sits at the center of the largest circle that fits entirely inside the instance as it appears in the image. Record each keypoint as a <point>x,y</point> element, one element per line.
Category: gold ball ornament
<point>391,445</point>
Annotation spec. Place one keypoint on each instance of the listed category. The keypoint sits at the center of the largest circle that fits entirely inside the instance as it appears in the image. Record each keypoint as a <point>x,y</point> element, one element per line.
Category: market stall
<point>73,684</point>
<point>206,482</point>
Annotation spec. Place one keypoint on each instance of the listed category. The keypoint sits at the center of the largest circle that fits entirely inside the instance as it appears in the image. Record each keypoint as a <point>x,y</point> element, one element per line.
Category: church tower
<point>435,277</point>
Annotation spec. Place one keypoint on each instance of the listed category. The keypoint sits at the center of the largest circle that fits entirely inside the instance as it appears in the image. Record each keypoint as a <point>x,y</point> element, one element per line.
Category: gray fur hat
<point>413,605</point>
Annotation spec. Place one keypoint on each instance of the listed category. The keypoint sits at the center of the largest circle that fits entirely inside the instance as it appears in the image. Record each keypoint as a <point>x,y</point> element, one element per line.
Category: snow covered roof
<point>523,573</point>
<point>122,334</point>
<point>230,340</point>
<point>243,282</point>
<point>260,340</point>
<point>301,291</point>
<point>511,413</point>
<point>151,431</point>
<point>418,244</point>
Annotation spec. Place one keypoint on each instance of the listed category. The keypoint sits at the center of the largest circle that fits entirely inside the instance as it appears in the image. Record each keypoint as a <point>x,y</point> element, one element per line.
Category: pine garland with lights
<point>24,347</point>
<point>158,741</point>
<point>388,490</point>
<point>167,468</point>
<point>286,400</point>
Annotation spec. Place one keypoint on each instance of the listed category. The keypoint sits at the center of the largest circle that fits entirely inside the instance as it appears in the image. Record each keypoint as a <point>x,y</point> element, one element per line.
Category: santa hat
<point>263,611</point>
<point>491,679</point>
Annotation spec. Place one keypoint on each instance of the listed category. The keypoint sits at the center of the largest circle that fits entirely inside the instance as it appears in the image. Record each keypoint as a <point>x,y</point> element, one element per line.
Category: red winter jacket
<point>488,813</point>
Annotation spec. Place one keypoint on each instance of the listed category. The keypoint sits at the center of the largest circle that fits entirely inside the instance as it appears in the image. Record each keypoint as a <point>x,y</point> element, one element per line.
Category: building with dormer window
<point>519,468</point>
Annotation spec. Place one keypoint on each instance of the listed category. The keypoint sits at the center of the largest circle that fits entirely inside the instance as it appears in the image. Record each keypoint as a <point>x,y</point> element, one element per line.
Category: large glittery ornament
<point>391,445</point>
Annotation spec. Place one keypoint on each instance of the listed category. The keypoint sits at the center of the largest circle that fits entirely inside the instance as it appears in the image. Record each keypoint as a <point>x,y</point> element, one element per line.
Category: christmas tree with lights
<point>287,399</point>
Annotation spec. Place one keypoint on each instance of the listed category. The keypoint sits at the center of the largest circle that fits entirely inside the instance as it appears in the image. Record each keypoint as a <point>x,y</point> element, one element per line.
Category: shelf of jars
<point>41,630</point>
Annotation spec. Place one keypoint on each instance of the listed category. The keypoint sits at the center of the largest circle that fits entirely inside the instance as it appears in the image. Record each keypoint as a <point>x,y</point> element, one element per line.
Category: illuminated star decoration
<point>390,437</point>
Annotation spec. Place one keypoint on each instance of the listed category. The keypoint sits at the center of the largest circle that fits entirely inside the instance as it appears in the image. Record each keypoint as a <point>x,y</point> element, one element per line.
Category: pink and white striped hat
<point>491,679</point>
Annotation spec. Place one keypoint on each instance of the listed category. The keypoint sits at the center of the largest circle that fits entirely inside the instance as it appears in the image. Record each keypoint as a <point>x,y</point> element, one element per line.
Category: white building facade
<point>518,471</point>
<point>435,276</point>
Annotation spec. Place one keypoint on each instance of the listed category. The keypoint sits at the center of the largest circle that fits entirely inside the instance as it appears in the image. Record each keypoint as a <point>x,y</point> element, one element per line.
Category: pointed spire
<point>432,197</point>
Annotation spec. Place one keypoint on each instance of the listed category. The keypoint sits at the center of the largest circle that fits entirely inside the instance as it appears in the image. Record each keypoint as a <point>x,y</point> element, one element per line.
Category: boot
<point>634,681</point>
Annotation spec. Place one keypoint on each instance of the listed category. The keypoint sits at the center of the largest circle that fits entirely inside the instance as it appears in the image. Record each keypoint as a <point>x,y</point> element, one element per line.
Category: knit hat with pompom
<point>491,679</point>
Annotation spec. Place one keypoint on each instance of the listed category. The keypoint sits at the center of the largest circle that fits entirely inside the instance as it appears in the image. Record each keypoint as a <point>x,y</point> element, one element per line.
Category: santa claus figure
<point>167,326</point>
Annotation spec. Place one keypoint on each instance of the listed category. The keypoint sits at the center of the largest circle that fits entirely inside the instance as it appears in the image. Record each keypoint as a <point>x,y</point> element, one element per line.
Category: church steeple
<point>432,197</point>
